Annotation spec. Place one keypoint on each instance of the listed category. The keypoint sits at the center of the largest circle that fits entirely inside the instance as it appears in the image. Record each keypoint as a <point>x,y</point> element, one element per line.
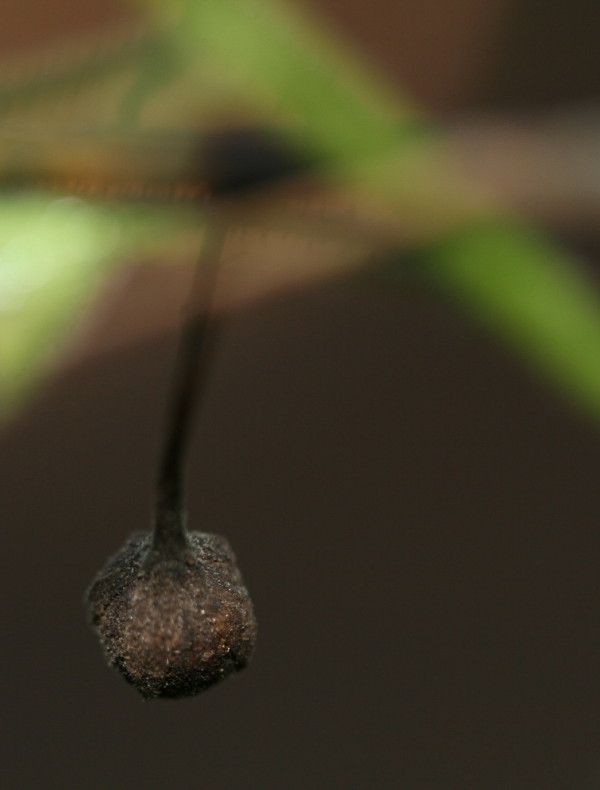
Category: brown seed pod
<point>171,609</point>
<point>174,624</point>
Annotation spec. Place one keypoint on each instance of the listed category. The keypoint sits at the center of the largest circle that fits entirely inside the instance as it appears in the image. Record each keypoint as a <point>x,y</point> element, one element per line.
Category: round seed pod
<point>173,624</point>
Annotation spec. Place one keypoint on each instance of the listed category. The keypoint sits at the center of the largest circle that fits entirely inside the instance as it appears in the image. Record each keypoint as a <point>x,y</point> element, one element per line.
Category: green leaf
<point>528,290</point>
<point>532,294</point>
<point>293,71</point>
<point>54,255</point>
<point>268,59</point>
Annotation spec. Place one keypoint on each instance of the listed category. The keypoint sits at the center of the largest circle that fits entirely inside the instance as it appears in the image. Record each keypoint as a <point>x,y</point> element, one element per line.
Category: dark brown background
<point>415,515</point>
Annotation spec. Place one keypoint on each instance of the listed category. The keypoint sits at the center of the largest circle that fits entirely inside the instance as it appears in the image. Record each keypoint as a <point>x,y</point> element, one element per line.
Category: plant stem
<point>170,537</point>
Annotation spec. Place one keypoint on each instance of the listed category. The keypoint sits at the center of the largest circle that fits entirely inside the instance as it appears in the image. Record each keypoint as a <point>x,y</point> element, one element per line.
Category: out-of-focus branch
<point>546,167</point>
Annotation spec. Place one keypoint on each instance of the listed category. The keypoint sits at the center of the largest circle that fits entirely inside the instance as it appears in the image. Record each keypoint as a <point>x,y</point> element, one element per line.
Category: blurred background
<point>415,514</point>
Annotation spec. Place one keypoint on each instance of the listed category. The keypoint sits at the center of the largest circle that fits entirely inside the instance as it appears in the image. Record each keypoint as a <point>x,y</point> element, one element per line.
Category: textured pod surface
<point>173,627</point>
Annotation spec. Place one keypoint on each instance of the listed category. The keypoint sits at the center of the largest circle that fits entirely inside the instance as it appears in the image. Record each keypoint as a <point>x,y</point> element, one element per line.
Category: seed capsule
<point>173,625</point>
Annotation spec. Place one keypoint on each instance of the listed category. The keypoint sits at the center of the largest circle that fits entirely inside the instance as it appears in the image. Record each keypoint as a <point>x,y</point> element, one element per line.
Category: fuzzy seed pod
<point>173,625</point>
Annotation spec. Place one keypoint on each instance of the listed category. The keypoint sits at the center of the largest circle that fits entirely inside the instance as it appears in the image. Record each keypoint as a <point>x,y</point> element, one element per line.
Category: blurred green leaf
<point>54,255</point>
<point>516,281</point>
<point>270,59</point>
<point>532,294</point>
